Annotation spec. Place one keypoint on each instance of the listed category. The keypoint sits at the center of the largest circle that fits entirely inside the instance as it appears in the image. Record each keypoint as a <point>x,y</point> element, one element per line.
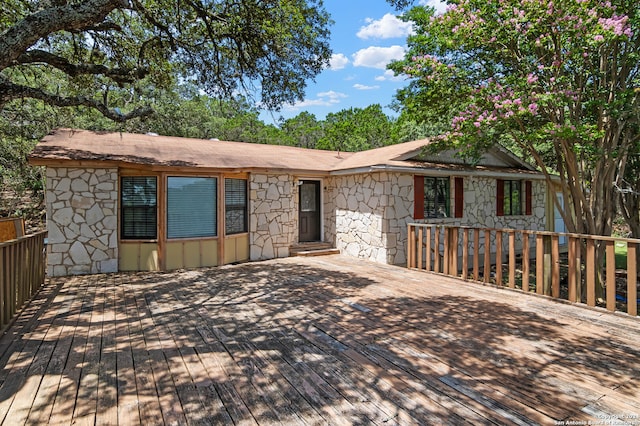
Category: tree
<point>357,129</point>
<point>558,76</point>
<point>78,53</point>
<point>303,130</point>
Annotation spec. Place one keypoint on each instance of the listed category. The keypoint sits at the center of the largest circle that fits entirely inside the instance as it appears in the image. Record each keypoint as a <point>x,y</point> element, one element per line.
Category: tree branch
<point>10,91</point>
<point>75,16</point>
<point>119,75</point>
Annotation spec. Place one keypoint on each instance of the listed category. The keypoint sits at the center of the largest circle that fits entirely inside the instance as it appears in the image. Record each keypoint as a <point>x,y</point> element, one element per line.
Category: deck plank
<point>322,340</point>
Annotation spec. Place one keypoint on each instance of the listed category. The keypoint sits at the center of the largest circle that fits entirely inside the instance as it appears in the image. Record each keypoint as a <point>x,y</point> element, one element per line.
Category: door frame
<point>299,182</point>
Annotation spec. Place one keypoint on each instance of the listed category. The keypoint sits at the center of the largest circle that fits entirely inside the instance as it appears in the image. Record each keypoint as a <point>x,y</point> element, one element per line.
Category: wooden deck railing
<point>22,271</point>
<point>559,265</point>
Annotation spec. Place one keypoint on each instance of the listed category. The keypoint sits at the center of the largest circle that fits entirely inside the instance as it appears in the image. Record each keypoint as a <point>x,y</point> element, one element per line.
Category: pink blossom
<point>531,78</point>
<point>598,38</point>
<point>533,108</point>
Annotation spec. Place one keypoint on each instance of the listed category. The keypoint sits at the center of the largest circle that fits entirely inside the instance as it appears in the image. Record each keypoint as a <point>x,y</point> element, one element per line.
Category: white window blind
<point>191,207</point>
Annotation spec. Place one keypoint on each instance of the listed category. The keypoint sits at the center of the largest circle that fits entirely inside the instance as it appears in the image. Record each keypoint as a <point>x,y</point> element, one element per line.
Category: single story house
<point>134,202</point>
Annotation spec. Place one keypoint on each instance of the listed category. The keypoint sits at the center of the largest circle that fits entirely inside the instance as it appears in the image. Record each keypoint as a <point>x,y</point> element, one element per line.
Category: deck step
<point>316,248</point>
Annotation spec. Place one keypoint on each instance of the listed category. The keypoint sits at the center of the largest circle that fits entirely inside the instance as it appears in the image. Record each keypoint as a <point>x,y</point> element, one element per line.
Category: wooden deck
<point>318,340</point>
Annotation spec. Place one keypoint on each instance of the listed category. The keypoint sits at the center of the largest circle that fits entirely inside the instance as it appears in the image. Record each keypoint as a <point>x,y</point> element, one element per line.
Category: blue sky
<point>365,37</point>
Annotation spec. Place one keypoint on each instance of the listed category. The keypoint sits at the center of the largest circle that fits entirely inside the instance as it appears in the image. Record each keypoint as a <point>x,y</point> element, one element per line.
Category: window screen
<point>436,197</point>
<point>512,198</point>
<point>138,207</point>
<point>191,207</point>
<point>235,204</point>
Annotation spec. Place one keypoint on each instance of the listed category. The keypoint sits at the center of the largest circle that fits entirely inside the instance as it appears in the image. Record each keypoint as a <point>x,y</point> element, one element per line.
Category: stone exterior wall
<point>82,209</point>
<point>366,215</point>
<point>273,216</point>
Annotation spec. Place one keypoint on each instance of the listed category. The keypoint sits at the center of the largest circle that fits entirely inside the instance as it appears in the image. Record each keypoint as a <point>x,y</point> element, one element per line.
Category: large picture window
<point>138,207</point>
<point>436,197</point>
<point>192,207</point>
<point>235,204</point>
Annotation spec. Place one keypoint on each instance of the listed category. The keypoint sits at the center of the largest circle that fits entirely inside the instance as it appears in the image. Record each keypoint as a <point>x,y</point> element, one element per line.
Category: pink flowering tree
<point>557,79</point>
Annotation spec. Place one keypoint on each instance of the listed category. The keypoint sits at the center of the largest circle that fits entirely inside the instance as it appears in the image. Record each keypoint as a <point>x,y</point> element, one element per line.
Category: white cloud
<point>389,26</point>
<point>338,61</point>
<point>389,76</point>
<point>377,57</point>
<point>438,5</point>
<point>363,87</point>
<point>325,99</point>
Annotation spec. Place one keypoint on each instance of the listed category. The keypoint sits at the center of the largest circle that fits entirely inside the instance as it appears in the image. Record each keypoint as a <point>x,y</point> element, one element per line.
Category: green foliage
<point>357,129</point>
<point>113,56</point>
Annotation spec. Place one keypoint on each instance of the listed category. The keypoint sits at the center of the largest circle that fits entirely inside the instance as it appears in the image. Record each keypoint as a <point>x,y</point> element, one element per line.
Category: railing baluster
<point>512,259</point>
<point>539,264</point>
<point>429,249</point>
<point>572,273</point>
<point>453,252</point>
<point>526,262</point>
<point>591,272</point>
<point>465,253</point>
<point>436,250</point>
<point>487,256</point>
<point>555,263</point>
<point>476,254</point>
<point>610,247</point>
<point>499,257</point>
<point>632,279</point>
<point>420,231</point>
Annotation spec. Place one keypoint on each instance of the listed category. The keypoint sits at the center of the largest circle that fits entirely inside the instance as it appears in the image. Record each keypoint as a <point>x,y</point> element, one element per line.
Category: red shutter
<point>458,200</point>
<point>528,206</point>
<point>418,197</point>
<point>500,198</point>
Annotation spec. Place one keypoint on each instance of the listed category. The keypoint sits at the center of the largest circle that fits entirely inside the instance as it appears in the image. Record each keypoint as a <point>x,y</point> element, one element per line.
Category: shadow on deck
<point>312,340</point>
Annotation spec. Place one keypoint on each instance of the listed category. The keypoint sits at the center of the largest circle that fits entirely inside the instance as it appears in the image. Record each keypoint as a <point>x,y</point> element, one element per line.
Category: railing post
<point>410,245</point>
<point>446,260</point>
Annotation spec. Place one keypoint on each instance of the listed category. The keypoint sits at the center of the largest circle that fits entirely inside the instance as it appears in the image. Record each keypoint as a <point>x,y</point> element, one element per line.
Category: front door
<point>309,216</point>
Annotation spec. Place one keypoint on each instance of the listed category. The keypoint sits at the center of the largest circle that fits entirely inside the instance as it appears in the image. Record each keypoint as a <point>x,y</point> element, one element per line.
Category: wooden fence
<point>22,271</point>
<point>559,265</point>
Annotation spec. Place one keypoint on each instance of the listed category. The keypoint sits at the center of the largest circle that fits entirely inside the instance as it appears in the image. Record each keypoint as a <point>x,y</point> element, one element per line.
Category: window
<point>192,207</point>
<point>512,196</point>
<point>436,197</point>
<point>138,207</point>
<point>235,205</point>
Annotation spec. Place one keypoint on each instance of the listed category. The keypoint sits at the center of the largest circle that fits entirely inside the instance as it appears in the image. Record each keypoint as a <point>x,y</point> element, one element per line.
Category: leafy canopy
<point>558,78</point>
<point>79,52</point>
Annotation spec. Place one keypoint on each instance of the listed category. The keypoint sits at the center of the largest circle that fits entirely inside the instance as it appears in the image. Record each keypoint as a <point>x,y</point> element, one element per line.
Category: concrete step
<point>316,248</point>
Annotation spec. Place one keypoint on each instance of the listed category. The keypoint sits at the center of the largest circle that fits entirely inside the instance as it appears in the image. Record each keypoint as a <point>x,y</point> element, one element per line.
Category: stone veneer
<point>273,219</point>
<point>366,215</point>
<point>82,206</point>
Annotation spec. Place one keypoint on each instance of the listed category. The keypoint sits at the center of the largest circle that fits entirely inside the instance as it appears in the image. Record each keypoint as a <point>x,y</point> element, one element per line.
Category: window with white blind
<point>192,207</point>
<point>235,205</point>
<point>138,207</point>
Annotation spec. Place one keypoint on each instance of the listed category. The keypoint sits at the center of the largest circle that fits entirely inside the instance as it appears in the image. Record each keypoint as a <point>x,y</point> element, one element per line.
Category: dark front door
<point>309,222</point>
